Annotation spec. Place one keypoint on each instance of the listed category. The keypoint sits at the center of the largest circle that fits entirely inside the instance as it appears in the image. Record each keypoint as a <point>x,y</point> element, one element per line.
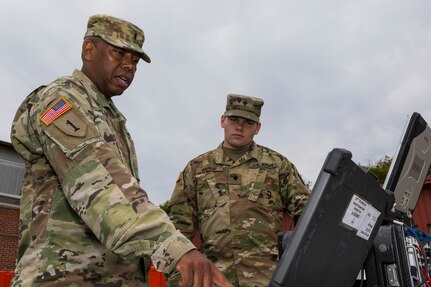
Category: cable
<point>426,275</point>
<point>362,277</point>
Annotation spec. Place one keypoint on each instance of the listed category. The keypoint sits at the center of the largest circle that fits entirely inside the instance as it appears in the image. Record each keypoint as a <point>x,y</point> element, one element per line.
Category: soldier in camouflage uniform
<point>84,219</point>
<point>236,196</point>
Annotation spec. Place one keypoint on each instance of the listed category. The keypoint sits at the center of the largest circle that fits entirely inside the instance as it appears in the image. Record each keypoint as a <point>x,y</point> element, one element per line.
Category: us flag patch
<point>56,110</point>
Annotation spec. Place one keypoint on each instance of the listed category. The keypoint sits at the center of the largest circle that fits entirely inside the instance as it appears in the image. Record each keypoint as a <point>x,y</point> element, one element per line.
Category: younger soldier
<point>84,219</point>
<point>236,195</point>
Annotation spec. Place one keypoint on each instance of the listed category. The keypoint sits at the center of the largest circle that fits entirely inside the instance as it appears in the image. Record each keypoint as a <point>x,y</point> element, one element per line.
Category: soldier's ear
<point>88,49</point>
<point>258,128</point>
<point>222,120</point>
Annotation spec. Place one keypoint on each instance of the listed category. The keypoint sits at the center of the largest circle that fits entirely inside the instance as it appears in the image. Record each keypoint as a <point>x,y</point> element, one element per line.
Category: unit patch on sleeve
<point>57,109</point>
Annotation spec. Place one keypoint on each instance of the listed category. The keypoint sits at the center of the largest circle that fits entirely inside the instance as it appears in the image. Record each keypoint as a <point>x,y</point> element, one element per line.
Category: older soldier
<point>85,221</point>
<point>235,196</point>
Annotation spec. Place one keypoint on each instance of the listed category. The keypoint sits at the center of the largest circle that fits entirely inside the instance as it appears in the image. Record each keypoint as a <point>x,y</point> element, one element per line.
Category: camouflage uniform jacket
<point>84,219</point>
<point>238,208</point>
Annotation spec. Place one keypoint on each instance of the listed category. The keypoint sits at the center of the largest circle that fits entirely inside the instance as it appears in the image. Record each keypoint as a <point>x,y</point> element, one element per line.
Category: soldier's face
<point>238,132</point>
<point>110,68</point>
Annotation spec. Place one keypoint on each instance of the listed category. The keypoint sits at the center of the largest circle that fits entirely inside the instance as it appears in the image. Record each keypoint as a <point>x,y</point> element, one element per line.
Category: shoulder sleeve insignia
<point>57,109</point>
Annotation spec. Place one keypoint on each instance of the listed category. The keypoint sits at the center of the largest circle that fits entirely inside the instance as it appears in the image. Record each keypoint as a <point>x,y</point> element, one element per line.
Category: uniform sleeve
<point>101,189</point>
<point>294,192</point>
<point>183,203</point>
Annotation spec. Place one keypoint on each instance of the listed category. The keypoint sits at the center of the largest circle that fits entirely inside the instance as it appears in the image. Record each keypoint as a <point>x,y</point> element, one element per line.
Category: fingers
<point>219,280</point>
<point>186,276</point>
<point>198,271</point>
<point>204,275</point>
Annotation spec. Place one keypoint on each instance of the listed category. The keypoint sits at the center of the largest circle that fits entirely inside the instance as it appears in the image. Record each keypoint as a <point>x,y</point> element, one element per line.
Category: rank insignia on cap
<point>57,109</point>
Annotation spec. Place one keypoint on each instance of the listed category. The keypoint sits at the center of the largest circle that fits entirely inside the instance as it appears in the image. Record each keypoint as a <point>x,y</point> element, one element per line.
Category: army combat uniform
<point>238,208</point>
<point>84,219</point>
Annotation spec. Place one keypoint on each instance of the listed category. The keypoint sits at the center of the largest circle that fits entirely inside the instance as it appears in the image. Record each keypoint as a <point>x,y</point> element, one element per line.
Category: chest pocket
<point>115,134</point>
<point>265,190</point>
<point>213,188</point>
<point>213,191</point>
<point>257,185</point>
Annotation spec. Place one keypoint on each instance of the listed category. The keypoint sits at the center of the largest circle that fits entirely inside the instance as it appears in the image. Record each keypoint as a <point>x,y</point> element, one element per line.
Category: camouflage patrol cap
<point>244,107</point>
<point>117,32</point>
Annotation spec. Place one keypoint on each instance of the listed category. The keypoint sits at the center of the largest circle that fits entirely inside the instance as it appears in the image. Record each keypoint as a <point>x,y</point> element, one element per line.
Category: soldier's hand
<point>197,271</point>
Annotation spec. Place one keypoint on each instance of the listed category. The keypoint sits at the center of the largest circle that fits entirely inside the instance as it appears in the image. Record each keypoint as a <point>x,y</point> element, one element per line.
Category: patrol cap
<point>118,33</point>
<point>244,107</point>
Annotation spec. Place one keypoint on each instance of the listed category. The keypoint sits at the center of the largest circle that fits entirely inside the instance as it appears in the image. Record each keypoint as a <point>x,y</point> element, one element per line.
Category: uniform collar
<point>94,93</point>
<point>252,153</point>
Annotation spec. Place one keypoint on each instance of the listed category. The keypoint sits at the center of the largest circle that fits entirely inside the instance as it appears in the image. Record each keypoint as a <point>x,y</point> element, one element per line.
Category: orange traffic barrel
<point>5,278</point>
<point>155,278</point>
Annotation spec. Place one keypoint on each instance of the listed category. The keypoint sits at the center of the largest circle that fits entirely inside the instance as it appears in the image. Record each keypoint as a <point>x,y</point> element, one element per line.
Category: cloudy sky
<point>332,73</point>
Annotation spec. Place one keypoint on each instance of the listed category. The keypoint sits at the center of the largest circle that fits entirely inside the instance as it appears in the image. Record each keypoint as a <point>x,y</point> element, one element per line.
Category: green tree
<point>379,168</point>
<point>165,206</point>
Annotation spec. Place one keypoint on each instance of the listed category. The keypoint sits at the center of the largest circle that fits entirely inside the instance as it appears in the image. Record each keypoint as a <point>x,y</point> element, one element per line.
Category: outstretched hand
<point>197,271</point>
